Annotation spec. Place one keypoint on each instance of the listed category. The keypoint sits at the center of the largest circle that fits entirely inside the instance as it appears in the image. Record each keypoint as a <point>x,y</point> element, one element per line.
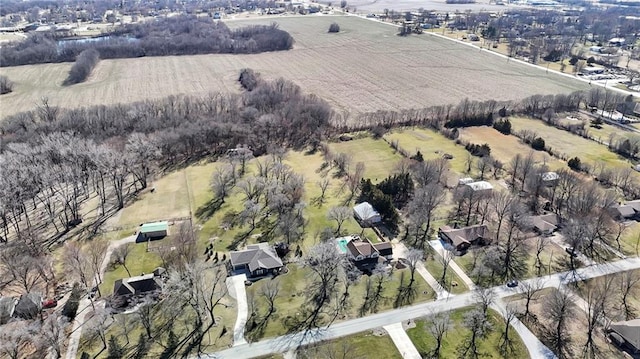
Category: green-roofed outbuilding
<point>152,231</point>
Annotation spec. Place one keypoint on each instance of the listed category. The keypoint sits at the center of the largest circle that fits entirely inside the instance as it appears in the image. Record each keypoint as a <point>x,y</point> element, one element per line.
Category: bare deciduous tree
<point>339,214</point>
<point>440,325</point>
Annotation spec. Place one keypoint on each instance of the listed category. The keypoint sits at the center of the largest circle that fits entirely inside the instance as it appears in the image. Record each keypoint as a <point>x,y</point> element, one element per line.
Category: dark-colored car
<point>512,283</point>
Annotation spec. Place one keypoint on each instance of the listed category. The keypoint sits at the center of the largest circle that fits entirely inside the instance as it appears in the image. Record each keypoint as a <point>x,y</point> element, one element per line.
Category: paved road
<point>288,342</point>
<point>237,291</point>
<point>534,345</point>
<point>401,340</point>
<point>84,306</point>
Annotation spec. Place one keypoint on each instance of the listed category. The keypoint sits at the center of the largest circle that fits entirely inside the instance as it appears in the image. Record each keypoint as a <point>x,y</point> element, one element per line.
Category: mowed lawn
<point>459,333</point>
<point>505,147</point>
<point>431,144</point>
<point>366,67</point>
<point>294,287</point>
<point>362,345</point>
<point>569,145</point>
<point>378,157</point>
<point>170,199</point>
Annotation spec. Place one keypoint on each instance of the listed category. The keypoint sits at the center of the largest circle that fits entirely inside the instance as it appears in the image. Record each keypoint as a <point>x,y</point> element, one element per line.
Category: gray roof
<point>365,211</point>
<point>467,235</point>
<point>629,331</point>
<point>480,186</point>
<point>29,305</point>
<point>545,222</point>
<point>256,257</point>
<point>7,307</point>
<point>136,285</point>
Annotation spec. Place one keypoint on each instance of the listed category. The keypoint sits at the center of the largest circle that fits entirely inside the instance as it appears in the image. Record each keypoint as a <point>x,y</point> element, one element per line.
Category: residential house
<point>366,214</point>
<point>29,306</point>
<point>141,284</point>
<point>550,178</point>
<point>626,334</point>
<point>7,308</point>
<point>625,211</point>
<point>462,238</point>
<point>365,255</point>
<point>153,231</point>
<point>480,186</point>
<point>545,224</point>
<point>256,261</point>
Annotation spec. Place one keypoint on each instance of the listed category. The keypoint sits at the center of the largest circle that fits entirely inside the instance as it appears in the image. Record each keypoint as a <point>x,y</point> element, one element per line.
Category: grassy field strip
<point>568,144</point>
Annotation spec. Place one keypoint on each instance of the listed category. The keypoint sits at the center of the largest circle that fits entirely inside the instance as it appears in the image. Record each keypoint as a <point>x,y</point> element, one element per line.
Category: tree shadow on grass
<point>208,209</point>
<point>406,293</point>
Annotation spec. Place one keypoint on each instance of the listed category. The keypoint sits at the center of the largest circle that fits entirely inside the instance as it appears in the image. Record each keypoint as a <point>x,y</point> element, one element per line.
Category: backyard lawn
<point>431,145</point>
<point>295,284</point>
<point>378,157</point>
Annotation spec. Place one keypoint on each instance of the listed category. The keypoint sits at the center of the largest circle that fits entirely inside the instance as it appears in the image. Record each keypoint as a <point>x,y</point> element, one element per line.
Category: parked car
<point>512,283</point>
<point>49,303</point>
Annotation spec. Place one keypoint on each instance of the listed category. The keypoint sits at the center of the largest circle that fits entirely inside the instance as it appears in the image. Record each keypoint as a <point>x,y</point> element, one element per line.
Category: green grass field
<point>431,144</point>
<point>378,157</point>
<point>435,268</point>
<point>169,200</point>
<point>294,285</point>
<point>455,337</point>
<point>357,346</point>
<point>213,340</point>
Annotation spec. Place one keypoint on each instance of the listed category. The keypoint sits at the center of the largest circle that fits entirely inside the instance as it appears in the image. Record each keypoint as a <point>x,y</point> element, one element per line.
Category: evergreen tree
<point>116,351</point>
<point>142,348</point>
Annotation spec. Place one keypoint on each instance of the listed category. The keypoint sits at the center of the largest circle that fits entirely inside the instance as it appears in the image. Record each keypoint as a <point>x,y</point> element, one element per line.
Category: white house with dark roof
<point>256,261</point>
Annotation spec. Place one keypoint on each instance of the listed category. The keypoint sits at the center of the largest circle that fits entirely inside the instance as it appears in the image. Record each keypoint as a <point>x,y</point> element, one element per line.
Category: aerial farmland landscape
<point>362,179</point>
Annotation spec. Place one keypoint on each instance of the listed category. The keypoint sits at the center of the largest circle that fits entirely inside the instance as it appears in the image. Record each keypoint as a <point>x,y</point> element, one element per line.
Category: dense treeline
<point>61,157</point>
<point>180,35</point>
<point>81,69</point>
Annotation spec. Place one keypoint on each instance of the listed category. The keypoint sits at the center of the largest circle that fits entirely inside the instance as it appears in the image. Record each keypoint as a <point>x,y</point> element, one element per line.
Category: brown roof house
<point>545,224</point>
<point>626,334</point>
<point>365,255</point>
<point>256,261</point>
<point>462,238</point>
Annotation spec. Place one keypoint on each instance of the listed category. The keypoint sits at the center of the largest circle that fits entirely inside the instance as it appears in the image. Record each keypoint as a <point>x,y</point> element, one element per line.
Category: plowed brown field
<point>365,67</point>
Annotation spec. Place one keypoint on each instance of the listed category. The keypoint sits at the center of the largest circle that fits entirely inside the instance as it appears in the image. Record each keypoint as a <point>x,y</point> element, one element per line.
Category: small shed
<point>365,213</point>
<point>153,231</point>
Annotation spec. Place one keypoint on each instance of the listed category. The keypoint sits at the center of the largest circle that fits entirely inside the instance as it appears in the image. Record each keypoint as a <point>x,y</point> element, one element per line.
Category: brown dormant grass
<point>363,68</point>
<point>504,147</point>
